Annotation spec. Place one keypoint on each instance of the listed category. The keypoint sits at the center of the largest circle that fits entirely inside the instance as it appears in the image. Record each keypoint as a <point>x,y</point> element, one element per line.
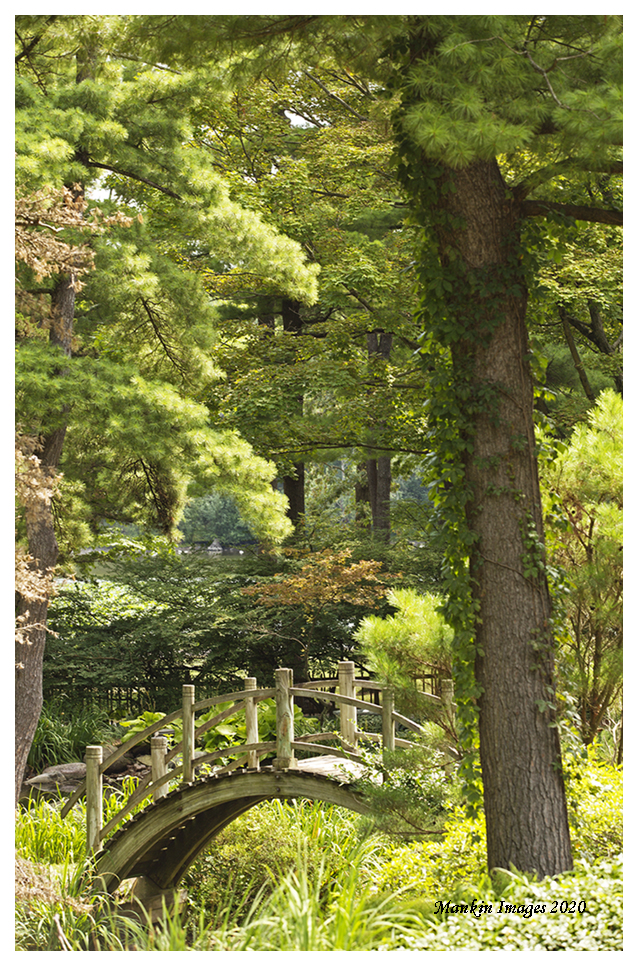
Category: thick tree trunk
<point>378,474</point>
<point>43,549</point>
<point>525,804</point>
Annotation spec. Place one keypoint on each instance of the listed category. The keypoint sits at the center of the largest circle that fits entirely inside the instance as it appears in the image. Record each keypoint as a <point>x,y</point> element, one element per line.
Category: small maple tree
<point>324,580</point>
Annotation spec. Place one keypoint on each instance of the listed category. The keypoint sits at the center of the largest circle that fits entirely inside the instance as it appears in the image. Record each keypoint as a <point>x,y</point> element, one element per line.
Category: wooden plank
<point>325,749</point>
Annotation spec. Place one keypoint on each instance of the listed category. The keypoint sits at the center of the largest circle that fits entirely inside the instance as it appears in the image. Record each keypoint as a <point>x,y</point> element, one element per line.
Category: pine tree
<point>475,92</point>
<point>111,367</point>
<point>584,507</point>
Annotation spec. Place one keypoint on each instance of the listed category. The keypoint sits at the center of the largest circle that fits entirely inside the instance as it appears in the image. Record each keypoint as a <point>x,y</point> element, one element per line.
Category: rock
<point>60,775</point>
<point>64,779</point>
<point>120,765</point>
<point>69,770</point>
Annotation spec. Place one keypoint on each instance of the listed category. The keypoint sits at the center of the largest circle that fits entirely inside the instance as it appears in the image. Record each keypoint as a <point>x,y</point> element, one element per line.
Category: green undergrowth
<point>307,876</point>
<point>435,868</point>
<point>63,733</point>
<point>252,855</point>
<point>44,836</point>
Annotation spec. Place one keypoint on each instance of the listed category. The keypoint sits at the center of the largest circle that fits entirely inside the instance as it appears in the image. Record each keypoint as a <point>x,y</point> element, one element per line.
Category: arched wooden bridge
<point>158,843</point>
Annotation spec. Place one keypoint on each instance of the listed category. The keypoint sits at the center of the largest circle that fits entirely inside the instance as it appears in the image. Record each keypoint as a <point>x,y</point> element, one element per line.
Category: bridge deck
<point>333,767</point>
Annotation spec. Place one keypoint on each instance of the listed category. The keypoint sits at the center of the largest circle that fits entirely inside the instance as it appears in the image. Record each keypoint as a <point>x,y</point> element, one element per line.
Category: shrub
<point>262,846</point>
<point>594,791</point>
<point>579,910</point>
<point>430,869</point>
<point>418,791</point>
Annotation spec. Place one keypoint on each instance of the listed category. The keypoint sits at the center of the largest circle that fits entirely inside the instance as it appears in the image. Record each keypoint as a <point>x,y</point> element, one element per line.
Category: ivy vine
<point>459,309</point>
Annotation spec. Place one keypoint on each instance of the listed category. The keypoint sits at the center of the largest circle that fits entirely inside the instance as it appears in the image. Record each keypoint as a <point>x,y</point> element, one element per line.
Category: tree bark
<point>294,484</point>
<point>294,490</point>
<point>524,796</point>
<point>43,549</point>
<point>378,469</point>
<point>378,474</point>
<point>576,358</point>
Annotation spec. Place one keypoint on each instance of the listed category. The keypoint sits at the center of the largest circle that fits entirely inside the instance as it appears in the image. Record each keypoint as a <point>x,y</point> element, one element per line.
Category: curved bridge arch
<point>162,841</point>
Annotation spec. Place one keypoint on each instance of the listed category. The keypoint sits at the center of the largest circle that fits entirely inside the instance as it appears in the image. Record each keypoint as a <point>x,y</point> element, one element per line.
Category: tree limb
<point>542,175</point>
<point>134,177</point>
<point>584,213</point>
<point>336,97</point>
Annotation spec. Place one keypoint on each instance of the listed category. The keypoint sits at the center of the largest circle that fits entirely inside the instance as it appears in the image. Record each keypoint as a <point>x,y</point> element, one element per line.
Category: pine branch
<point>27,48</point>
<point>133,177</point>
<point>533,207</point>
<point>542,175</point>
<point>335,97</point>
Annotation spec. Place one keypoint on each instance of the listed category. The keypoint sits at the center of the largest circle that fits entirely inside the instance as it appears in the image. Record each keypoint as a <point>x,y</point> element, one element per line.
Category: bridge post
<point>252,731</point>
<point>158,765</point>
<point>347,713</point>
<point>388,726</point>
<point>188,731</point>
<point>448,699</point>
<point>285,735</point>
<point>94,796</point>
<point>448,705</point>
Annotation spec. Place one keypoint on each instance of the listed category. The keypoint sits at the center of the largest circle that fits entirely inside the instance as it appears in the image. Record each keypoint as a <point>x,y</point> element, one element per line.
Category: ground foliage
<point>65,729</point>
<point>303,876</point>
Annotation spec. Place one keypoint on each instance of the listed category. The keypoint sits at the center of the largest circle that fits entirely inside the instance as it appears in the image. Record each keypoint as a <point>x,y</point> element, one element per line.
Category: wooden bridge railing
<point>248,754</point>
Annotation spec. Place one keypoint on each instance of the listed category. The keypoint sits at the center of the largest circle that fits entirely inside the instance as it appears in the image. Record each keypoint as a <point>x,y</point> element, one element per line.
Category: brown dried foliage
<point>34,884</point>
<point>41,219</point>
<point>35,487</point>
<point>327,578</point>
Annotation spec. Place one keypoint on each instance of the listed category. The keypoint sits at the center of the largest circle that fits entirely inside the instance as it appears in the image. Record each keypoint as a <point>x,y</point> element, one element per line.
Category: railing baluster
<point>347,713</point>
<point>388,725</point>
<point>284,758</point>
<point>94,797</point>
<point>448,700</point>
<point>188,731</point>
<point>252,731</point>
<point>158,765</point>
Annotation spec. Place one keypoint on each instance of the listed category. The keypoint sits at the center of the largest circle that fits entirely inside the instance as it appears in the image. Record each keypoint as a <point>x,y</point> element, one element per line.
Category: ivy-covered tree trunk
<point>43,551</point>
<point>477,234</point>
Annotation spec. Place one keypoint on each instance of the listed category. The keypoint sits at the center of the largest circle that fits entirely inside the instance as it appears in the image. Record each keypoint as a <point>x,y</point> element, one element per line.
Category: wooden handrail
<point>257,693</point>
